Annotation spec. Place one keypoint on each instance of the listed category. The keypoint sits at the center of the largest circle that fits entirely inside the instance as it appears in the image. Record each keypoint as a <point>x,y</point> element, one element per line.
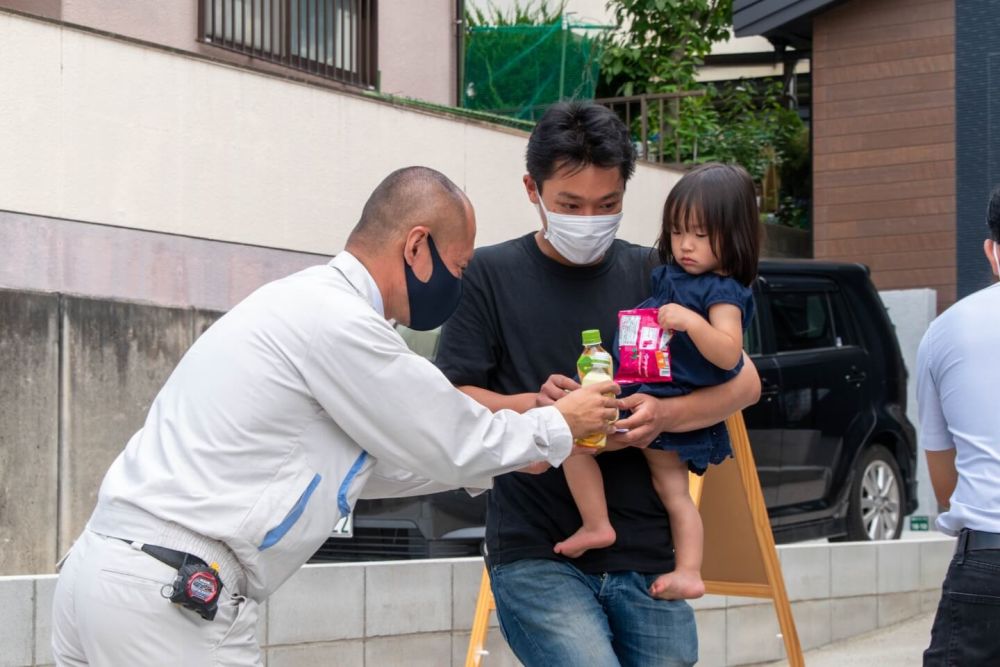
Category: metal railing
<point>334,39</point>
<point>651,119</point>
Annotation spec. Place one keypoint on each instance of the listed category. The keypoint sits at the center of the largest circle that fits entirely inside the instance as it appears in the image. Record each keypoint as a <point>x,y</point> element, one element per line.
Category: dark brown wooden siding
<point>884,141</point>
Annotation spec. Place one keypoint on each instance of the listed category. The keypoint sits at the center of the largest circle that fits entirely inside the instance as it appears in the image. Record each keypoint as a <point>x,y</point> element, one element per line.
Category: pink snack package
<point>643,351</point>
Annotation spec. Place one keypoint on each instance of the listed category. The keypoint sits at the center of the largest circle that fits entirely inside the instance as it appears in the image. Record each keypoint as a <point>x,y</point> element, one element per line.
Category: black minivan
<point>835,453</point>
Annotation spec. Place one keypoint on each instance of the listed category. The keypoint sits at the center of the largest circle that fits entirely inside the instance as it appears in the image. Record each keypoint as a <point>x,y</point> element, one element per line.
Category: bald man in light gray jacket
<point>296,403</point>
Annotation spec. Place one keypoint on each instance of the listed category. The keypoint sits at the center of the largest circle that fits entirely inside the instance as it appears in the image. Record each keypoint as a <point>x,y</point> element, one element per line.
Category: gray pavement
<point>899,645</point>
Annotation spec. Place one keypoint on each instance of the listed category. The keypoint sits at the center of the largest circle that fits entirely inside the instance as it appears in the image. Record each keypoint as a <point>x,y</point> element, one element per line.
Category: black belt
<point>977,540</point>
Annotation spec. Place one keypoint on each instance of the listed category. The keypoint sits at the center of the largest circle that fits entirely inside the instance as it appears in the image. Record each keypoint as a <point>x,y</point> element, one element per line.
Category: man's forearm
<point>943,474</point>
<point>495,401</point>
<point>710,405</point>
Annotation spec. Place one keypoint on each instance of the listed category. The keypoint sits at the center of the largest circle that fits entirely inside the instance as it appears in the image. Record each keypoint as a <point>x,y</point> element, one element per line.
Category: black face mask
<point>432,302</point>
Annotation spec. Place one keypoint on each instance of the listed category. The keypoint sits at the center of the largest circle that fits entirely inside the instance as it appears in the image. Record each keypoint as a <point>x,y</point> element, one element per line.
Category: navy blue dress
<point>690,370</point>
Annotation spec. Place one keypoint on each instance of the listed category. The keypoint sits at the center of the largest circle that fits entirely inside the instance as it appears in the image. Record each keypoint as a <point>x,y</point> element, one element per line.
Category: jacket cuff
<point>560,440</point>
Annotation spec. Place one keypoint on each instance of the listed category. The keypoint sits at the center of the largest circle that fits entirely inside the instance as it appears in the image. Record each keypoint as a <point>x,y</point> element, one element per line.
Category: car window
<point>844,322</point>
<point>802,321</point>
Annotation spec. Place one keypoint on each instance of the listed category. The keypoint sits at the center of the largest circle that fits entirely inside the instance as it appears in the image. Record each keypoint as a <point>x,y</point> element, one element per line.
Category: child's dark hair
<point>578,134</point>
<point>721,197</point>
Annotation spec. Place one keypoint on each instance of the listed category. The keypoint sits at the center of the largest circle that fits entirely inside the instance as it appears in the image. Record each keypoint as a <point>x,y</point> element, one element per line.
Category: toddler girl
<point>709,246</point>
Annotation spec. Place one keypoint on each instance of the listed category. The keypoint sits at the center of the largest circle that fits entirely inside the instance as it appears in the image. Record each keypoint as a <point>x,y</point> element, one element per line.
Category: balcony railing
<point>334,39</point>
<point>651,119</point>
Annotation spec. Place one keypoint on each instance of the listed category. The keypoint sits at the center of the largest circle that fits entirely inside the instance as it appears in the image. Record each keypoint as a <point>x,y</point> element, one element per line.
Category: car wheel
<point>877,497</point>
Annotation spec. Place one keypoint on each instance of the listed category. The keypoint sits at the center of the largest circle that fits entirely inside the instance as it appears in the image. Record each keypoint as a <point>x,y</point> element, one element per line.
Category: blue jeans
<point>967,625</point>
<point>552,615</point>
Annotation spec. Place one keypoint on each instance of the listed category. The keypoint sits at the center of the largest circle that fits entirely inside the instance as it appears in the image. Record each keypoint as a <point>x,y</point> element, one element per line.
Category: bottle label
<point>586,363</point>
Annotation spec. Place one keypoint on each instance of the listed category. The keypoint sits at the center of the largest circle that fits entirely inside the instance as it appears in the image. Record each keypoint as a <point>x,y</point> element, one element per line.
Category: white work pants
<point>109,610</point>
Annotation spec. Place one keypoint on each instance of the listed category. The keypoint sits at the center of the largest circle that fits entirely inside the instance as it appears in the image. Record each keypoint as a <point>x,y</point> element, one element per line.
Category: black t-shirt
<point>519,322</point>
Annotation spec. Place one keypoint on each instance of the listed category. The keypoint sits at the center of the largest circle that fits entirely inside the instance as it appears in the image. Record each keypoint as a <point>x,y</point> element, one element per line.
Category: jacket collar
<point>359,278</point>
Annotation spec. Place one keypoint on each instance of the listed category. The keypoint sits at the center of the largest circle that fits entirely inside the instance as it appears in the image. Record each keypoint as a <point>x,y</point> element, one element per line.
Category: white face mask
<point>582,239</point>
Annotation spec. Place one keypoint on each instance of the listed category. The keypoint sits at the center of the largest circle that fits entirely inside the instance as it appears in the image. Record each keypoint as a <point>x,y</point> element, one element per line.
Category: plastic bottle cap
<point>591,337</point>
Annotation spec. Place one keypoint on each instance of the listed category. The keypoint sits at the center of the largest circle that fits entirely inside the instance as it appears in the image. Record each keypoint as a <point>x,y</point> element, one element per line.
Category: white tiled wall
<point>403,599</point>
<point>752,635</point>
<point>351,652</point>
<point>813,622</point>
<point>807,571</point>
<point>896,607</point>
<point>17,612</point>
<point>498,654</point>
<point>45,586</point>
<point>429,649</point>
<point>420,612</point>
<point>466,578</point>
<point>324,603</point>
<point>853,568</point>
<point>898,567</point>
<point>934,559</point>
<point>853,616</point>
<point>711,637</point>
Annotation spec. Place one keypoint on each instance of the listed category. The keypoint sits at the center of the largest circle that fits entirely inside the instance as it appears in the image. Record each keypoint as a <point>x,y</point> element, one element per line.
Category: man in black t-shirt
<point>513,343</point>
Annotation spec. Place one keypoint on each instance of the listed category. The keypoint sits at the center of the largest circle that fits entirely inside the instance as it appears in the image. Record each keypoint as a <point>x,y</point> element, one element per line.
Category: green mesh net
<point>520,70</point>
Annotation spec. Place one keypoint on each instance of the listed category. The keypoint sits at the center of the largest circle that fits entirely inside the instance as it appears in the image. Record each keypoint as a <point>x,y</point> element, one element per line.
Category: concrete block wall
<point>77,376</point>
<point>29,433</point>
<point>417,613</point>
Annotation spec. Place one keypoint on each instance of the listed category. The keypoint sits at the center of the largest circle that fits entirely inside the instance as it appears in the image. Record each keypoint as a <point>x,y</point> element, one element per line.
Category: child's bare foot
<point>678,585</point>
<point>584,539</point>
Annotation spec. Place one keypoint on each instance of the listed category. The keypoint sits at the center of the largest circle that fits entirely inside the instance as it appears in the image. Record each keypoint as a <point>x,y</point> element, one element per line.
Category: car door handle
<point>856,377</point>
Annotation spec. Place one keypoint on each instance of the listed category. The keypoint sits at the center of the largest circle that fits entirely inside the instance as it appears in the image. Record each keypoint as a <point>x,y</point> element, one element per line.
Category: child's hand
<point>676,317</point>
<point>555,388</point>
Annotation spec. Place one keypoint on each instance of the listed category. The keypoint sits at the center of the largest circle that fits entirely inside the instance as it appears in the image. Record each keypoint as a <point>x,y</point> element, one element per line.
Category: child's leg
<point>670,479</point>
<point>587,486</point>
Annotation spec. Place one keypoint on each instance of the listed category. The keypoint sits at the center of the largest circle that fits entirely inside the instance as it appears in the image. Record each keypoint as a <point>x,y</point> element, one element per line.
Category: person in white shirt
<point>300,400</point>
<point>958,368</point>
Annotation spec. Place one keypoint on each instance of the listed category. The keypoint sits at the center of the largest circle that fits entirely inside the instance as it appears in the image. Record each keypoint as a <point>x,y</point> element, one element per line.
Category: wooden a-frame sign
<point>740,558</point>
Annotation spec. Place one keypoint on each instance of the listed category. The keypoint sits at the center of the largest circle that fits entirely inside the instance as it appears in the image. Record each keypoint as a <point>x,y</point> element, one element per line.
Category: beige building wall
<point>109,131</point>
<point>417,49</point>
<point>417,40</point>
<point>172,23</point>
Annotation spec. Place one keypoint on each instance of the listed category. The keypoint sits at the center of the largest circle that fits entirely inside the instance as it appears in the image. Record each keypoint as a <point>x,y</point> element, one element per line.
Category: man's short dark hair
<point>576,135</point>
<point>993,214</point>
